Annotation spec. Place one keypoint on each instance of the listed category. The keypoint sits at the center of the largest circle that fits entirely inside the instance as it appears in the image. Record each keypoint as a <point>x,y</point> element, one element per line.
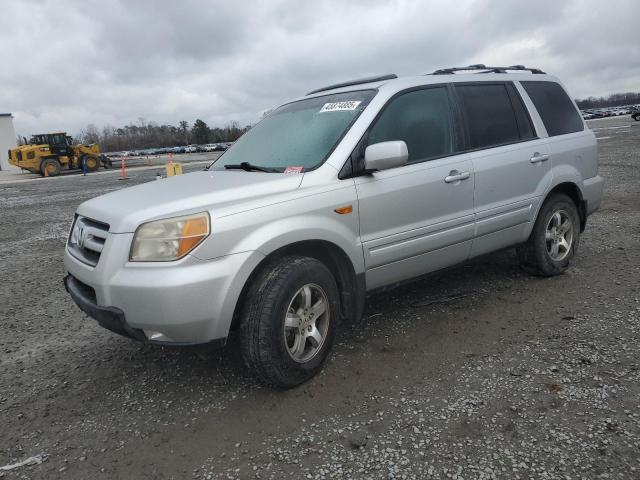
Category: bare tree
<point>184,128</point>
<point>613,100</point>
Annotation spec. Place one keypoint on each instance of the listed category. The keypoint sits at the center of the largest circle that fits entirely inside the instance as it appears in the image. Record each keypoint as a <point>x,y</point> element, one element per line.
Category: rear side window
<point>556,109</point>
<point>489,114</point>
<point>423,119</point>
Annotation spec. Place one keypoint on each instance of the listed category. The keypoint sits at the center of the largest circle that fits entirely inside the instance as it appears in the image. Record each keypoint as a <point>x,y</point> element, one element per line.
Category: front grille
<point>87,239</point>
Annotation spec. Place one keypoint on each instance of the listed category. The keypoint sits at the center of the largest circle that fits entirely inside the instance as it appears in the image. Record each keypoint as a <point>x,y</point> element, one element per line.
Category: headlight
<point>169,239</point>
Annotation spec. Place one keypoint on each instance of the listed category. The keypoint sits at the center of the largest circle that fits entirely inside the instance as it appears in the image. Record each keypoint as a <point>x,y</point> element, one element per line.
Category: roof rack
<point>480,68</point>
<point>380,78</point>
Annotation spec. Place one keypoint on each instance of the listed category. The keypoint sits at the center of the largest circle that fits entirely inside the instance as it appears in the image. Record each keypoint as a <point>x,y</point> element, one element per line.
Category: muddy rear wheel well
<point>350,286</point>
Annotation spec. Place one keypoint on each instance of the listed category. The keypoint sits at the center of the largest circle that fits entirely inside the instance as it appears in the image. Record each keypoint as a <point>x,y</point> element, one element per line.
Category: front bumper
<point>110,318</point>
<point>189,301</point>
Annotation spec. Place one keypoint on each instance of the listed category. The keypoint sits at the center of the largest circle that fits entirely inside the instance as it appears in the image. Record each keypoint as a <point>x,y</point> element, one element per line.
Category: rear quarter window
<point>556,109</point>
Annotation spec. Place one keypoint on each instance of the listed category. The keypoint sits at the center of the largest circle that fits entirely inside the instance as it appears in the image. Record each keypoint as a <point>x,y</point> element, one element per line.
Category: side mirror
<point>385,155</point>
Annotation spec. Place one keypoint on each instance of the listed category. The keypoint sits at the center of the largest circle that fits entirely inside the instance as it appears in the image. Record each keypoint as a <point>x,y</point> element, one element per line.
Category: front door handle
<point>456,176</point>
<point>539,157</point>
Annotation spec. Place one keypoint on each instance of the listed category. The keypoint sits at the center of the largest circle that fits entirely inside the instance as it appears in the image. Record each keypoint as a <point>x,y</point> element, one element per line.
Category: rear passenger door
<point>565,129</point>
<point>418,217</point>
<point>510,163</point>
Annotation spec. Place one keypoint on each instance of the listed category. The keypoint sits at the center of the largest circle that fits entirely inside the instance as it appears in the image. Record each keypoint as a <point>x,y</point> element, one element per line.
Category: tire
<point>279,354</point>
<point>50,167</point>
<point>106,162</point>
<point>544,253</point>
<point>90,163</point>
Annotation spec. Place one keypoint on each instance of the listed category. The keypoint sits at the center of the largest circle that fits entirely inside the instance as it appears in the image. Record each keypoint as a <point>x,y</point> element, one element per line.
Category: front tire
<point>289,321</point>
<point>50,167</point>
<point>554,239</point>
<point>89,163</point>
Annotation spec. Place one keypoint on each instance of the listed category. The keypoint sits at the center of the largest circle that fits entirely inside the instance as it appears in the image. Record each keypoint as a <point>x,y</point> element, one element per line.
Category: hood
<point>219,192</point>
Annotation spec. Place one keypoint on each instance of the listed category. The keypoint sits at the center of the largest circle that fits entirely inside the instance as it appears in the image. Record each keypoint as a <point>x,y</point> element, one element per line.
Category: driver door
<point>418,217</point>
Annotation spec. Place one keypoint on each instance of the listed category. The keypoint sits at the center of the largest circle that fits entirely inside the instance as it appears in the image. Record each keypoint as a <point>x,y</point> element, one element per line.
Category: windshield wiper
<point>248,167</point>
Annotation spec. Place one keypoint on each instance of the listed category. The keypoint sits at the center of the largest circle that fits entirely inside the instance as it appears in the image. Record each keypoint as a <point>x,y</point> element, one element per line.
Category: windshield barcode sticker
<point>340,106</point>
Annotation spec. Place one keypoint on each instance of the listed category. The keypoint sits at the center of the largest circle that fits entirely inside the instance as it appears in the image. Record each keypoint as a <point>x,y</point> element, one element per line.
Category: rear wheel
<point>89,163</point>
<point>50,167</point>
<point>554,239</point>
<point>289,321</point>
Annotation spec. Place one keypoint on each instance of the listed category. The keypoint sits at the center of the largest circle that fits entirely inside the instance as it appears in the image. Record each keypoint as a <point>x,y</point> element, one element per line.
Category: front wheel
<point>289,321</point>
<point>554,239</point>
<point>89,163</point>
<point>50,167</point>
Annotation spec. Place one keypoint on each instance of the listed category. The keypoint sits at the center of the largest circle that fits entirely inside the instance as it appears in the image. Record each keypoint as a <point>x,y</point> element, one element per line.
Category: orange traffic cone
<point>123,168</point>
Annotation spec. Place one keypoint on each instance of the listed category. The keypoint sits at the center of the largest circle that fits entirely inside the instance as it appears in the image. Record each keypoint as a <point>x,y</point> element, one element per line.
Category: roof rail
<point>380,78</point>
<point>480,68</point>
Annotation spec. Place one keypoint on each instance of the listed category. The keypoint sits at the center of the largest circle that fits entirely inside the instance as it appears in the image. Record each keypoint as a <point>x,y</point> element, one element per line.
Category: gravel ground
<point>479,371</point>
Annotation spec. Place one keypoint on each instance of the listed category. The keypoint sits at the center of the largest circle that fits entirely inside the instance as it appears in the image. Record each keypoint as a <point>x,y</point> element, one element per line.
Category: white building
<point>7,140</point>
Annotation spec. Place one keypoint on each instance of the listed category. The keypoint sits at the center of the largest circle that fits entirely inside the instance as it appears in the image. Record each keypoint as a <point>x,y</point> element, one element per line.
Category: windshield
<point>300,135</point>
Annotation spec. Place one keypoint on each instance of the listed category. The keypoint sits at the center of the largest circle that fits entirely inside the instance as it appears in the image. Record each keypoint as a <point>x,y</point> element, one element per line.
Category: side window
<point>489,114</point>
<point>556,109</point>
<point>423,119</point>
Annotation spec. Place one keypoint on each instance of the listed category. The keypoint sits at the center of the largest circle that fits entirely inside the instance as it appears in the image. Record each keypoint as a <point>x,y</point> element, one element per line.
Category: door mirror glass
<point>385,155</point>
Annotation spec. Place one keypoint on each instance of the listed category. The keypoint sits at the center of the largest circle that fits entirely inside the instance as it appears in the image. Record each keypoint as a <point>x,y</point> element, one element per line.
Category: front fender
<point>269,228</point>
<point>285,232</point>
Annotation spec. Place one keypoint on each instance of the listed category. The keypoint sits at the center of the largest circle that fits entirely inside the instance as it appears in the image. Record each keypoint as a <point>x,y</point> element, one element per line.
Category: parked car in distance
<point>217,147</point>
<point>350,189</point>
<point>191,149</point>
<point>179,149</point>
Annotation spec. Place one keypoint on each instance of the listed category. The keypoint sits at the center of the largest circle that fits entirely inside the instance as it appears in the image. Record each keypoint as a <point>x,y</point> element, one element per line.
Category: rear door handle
<point>456,176</point>
<point>539,157</point>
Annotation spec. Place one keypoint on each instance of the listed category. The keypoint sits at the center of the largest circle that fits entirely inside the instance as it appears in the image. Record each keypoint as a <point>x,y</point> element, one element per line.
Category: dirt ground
<point>480,371</point>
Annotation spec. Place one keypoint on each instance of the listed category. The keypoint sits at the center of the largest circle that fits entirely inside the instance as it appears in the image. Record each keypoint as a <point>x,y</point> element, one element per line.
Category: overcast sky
<point>65,64</point>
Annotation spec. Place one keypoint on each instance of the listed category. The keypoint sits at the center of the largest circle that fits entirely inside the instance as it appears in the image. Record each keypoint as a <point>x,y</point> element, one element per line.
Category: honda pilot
<point>351,188</point>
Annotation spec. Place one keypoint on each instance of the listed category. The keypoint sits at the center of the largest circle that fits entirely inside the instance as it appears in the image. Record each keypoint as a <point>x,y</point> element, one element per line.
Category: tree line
<point>151,135</point>
<point>613,100</point>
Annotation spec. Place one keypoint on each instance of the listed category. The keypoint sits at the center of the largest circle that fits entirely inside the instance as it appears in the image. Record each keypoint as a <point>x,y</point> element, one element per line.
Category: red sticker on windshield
<point>293,170</point>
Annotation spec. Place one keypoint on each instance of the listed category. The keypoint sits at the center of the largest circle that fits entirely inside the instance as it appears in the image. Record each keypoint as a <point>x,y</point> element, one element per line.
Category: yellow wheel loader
<point>48,153</point>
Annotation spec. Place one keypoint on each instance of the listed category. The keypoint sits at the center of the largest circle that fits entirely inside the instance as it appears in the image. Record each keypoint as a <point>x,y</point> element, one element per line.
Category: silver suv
<point>351,188</point>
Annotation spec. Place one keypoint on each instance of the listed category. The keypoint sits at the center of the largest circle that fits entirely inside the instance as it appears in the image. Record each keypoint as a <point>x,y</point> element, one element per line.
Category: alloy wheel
<point>559,235</point>
<point>306,323</point>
